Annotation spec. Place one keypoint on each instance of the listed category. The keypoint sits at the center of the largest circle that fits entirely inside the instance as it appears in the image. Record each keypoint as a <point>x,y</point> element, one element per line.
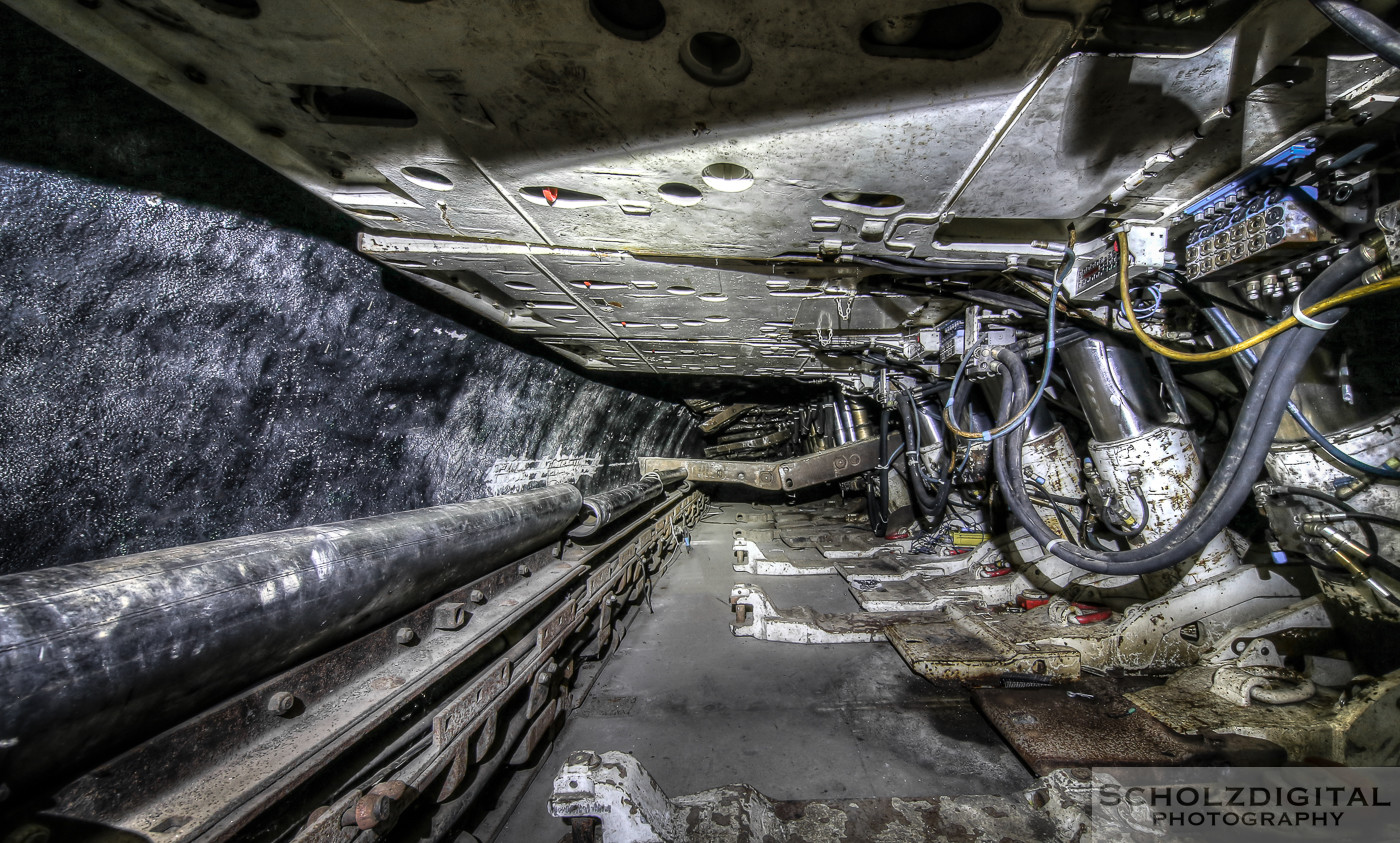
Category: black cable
<point>1049,496</point>
<point>1060,515</point>
<point>1232,483</point>
<point>880,518</point>
<point>929,271</point>
<point>1172,388</point>
<point>1130,532</point>
<point>1369,31</point>
<point>1383,520</point>
<point>1037,273</point>
<point>931,506</point>
<point>1001,300</point>
<point>937,262</point>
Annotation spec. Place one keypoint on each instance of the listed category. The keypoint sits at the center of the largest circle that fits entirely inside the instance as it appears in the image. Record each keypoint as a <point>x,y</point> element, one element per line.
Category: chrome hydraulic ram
<point>100,654</point>
<point>604,508</point>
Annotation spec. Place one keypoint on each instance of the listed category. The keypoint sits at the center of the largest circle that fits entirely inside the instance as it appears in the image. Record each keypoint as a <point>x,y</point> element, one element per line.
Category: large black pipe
<point>99,655</point>
<point>1370,31</point>
<point>604,508</point>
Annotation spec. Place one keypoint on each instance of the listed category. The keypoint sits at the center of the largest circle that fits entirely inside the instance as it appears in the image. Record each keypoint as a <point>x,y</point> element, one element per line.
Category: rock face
<point>181,361</point>
<point>174,374</point>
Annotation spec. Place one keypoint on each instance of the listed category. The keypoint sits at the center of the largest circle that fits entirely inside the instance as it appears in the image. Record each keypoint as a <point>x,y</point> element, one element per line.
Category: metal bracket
<point>783,476</point>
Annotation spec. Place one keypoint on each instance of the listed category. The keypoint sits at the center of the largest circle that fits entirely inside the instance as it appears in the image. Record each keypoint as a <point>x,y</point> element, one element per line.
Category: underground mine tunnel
<point>697,420</point>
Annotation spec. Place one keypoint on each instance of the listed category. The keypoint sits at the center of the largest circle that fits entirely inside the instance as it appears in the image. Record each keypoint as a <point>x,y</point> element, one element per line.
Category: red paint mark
<point>1030,602</point>
<point>1087,613</point>
<point>551,195</point>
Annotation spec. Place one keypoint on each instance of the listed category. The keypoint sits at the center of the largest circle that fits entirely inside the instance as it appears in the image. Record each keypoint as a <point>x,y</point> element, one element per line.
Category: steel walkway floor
<point>700,708</point>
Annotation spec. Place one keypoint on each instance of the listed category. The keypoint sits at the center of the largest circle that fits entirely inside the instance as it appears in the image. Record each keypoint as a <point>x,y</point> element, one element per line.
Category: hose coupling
<point>1339,541</point>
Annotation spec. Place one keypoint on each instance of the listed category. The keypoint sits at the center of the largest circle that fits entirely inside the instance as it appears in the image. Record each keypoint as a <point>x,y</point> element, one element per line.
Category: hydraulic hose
<point>1246,362</point>
<point>1369,31</point>
<point>1212,511</point>
<point>1229,487</point>
<point>1028,407</point>
<point>926,271</point>
<point>1266,334</point>
<point>882,524</point>
<point>931,505</point>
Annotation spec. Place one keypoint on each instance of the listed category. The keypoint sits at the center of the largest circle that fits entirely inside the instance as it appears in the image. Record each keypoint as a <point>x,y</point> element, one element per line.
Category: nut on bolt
<point>477,596</point>
<point>281,703</point>
<point>372,809</point>
<point>450,615</point>
<point>585,758</point>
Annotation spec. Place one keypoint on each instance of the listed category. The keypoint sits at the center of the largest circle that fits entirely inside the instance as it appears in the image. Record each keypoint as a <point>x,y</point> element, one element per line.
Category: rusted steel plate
<point>459,714</point>
<point>1049,730</point>
<point>960,649</point>
<point>724,417</point>
<point>558,624</point>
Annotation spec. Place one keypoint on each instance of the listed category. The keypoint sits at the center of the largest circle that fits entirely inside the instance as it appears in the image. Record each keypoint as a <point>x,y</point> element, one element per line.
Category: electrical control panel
<point>1252,234</point>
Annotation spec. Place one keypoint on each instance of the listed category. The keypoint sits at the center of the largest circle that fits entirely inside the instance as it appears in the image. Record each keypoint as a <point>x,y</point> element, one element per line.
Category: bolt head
<point>281,703</point>
<point>450,616</point>
<point>405,636</point>
<point>477,596</point>
<point>372,809</point>
<point>523,570</point>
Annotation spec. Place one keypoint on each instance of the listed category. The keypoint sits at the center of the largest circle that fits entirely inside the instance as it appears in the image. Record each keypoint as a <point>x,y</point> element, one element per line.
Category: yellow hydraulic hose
<point>1268,333</point>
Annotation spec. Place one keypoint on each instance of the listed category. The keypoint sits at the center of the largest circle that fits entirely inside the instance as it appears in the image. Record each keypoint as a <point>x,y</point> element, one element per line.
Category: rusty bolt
<point>1081,773</point>
<point>394,789</point>
<point>373,809</point>
<point>477,596</point>
<point>405,636</point>
<point>450,616</point>
<point>281,703</point>
<point>523,570</point>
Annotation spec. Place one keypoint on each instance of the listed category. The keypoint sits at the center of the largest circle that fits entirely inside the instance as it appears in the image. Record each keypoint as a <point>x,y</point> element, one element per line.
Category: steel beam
<point>782,476</point>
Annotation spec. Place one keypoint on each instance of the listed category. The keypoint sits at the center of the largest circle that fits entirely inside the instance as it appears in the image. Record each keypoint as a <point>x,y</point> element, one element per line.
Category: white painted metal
<point>1307,465</point>
<point>1165,466</point>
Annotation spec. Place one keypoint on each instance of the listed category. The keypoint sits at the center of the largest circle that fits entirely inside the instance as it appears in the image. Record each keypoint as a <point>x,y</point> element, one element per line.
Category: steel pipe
<point>98,655</point>
<point>604,508</point>
<point>1114,388</point>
